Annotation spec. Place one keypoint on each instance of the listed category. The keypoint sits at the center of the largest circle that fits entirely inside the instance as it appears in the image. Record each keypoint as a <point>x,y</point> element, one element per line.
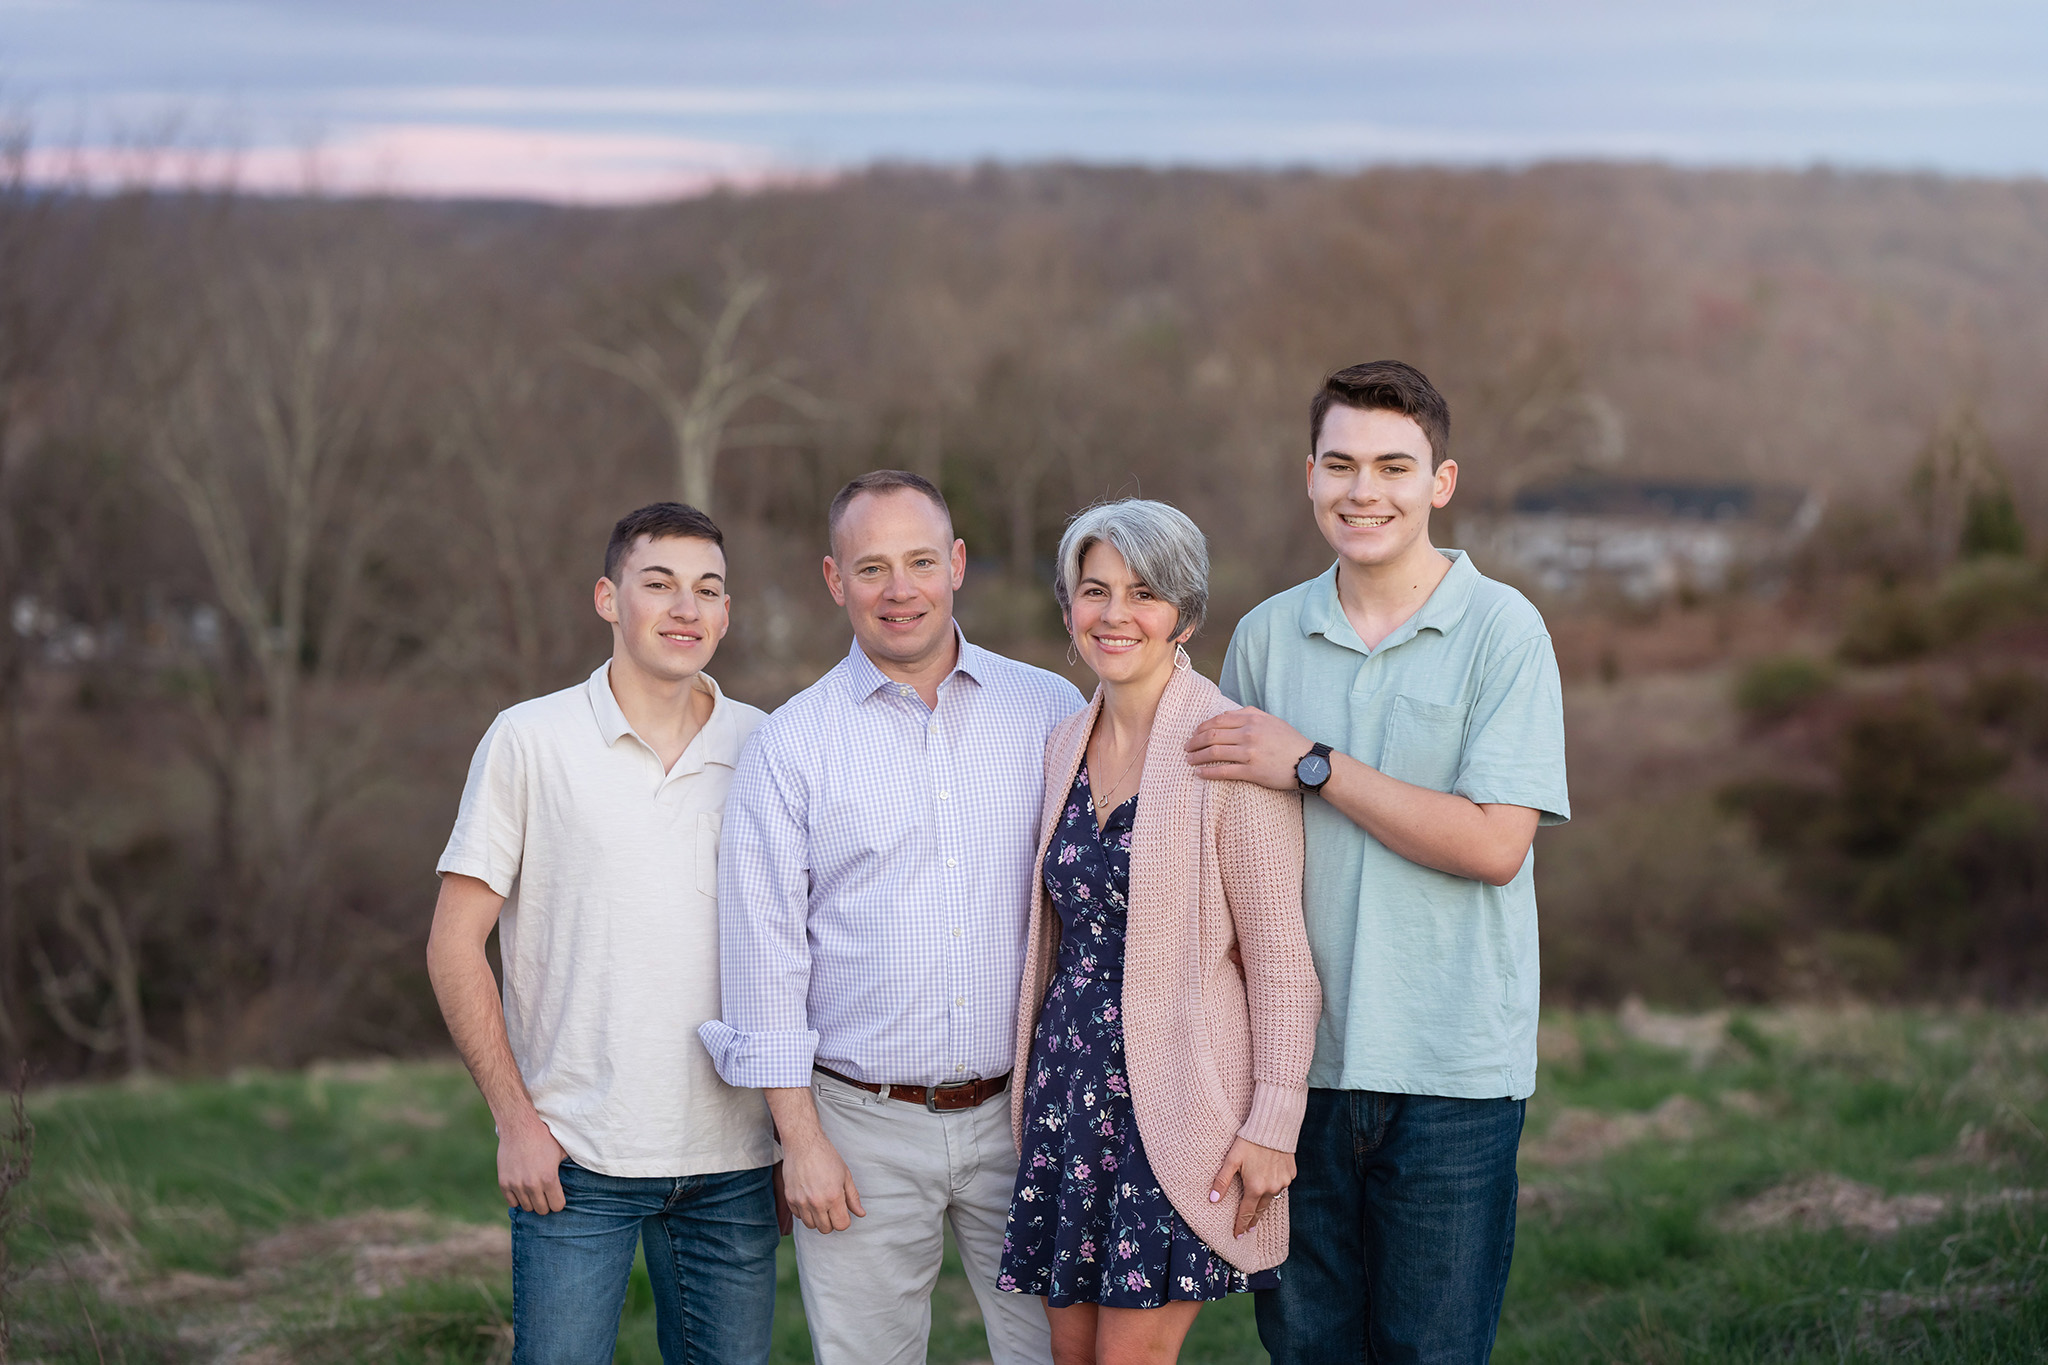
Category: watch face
<point>1313,771</point>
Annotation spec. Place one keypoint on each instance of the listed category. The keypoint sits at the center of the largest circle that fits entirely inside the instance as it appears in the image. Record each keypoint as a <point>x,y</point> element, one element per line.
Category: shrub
<point>1886,625</point>
<point>1991,525</point>
<point>2012,699</point>
<point>1672,902</point>
<point>1968,897</point>
<point>1774,688</point>
<point>1784,815</point>
<point>1989,593</point>
<point>1900,763</point>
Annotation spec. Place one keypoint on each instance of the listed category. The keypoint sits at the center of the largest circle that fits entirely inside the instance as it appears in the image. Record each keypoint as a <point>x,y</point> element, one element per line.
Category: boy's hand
<point>530,1166</point>
<point>1250,746</point>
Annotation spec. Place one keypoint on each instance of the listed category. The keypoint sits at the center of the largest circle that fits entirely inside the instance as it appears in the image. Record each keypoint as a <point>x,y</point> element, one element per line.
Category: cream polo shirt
<point>609,935</point>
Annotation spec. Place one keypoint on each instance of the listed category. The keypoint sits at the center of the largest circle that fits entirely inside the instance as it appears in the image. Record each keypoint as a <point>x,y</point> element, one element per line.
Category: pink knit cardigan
<point>1212,1053</point>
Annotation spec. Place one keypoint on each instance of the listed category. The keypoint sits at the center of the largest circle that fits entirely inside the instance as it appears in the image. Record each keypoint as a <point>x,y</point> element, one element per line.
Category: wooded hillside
<point>295,494</point>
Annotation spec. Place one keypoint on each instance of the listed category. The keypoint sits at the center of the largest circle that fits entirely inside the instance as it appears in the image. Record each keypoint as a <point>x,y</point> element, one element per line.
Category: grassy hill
<point>1793,1185</point>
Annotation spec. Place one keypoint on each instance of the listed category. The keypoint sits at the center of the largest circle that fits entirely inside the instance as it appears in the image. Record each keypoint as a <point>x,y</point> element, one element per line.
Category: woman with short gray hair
<point>1168,1007</point>
<point>1159,543</point>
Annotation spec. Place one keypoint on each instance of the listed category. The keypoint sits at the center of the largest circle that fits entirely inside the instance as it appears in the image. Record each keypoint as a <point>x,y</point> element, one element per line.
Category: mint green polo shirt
<point>1429,980</point>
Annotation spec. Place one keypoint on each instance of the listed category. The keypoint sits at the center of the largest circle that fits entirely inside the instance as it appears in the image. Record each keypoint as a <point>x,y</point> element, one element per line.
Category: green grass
<point>142,1223</point>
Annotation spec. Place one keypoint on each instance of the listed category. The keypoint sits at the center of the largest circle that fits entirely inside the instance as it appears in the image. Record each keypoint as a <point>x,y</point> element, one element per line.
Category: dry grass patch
<point>1578,1136</point>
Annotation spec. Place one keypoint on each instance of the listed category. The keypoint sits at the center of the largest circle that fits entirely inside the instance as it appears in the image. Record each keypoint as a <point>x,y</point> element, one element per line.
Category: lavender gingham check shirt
<point>874,876</point>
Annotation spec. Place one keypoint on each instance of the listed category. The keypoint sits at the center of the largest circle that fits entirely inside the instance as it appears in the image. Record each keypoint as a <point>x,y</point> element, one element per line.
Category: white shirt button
<point>959,999</point>
<point>945,796</point>
<point>952,862</point>
<point>956,931</point>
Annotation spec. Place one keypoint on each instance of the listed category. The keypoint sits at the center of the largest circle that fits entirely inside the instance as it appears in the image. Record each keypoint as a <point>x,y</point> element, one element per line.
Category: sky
<point>631,100</point>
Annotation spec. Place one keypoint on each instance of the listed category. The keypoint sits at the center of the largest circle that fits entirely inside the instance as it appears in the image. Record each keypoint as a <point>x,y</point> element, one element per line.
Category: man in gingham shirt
<point>875,880</point>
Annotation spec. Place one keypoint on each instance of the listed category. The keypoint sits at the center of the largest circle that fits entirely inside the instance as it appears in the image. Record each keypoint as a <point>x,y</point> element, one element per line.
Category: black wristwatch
<point>1314,769</point>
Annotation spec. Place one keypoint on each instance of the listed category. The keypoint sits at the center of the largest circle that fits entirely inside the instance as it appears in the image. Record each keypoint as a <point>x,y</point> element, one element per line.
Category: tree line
<point>294,493</point>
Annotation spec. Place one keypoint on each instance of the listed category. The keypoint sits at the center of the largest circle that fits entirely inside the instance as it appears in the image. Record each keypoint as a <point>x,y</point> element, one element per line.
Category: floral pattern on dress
<point>1088,1222</point>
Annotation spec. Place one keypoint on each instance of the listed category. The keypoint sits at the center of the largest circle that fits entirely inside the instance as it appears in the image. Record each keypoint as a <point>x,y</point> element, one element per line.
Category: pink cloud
<point>434,161</point>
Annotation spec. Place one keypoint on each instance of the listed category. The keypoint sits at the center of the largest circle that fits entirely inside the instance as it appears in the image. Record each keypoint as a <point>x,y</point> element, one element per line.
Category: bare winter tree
<point>103,935</point>
<point>263,443</point>
<point>700,406</point>
<point>492,391</point>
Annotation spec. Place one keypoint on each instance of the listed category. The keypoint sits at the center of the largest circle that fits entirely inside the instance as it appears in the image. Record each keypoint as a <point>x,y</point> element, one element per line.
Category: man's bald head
<point>883,481</point>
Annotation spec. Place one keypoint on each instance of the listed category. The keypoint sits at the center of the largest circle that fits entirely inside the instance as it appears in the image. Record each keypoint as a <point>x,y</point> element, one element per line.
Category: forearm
<point>795,1112</point>
<point>1439,830</point>
<point>468,995</point>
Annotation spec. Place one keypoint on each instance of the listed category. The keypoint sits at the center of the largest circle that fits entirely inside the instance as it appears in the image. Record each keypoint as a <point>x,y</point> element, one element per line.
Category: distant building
<point>1645,539</point>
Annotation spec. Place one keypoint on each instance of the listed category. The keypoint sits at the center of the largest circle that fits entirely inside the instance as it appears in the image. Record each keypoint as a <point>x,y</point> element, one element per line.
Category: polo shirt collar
<point>864,679</point>
<point>1322,614</point>
<point>717,742</point>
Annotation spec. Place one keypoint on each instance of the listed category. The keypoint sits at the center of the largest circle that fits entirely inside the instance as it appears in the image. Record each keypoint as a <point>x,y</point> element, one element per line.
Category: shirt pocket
<point>708,824</point>
<point>1425,743</point>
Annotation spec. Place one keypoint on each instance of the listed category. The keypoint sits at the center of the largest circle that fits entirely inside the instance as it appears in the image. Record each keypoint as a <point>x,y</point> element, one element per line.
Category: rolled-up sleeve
<point>1260,856</point>
<point>764,960</point>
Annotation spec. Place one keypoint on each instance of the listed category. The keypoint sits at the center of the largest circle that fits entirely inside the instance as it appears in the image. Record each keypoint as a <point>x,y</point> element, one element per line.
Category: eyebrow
<point>1380,458</point>
<point>1105,583</point>
<point>879,558</point>
<point>667,572</point>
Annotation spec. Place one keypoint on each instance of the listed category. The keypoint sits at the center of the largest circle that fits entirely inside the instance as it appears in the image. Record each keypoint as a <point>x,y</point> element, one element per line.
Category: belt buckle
<point>931,1095</point>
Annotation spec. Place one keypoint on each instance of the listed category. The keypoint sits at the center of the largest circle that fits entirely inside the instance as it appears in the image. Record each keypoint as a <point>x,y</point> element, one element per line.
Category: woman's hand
<point>1265,1173</point>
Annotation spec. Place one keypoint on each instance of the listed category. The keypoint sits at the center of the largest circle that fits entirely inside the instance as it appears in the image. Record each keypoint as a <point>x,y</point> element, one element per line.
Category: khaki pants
<point>868,1290</point>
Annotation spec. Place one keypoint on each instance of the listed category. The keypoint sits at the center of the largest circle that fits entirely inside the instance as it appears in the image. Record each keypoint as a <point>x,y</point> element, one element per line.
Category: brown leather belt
<point>937,1098</point>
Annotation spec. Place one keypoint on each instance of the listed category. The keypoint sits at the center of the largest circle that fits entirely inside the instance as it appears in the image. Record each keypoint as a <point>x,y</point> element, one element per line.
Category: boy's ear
<point>1446,483</point>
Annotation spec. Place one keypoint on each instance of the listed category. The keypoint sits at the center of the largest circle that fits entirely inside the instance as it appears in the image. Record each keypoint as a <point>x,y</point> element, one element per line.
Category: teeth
<point>1366,521</point>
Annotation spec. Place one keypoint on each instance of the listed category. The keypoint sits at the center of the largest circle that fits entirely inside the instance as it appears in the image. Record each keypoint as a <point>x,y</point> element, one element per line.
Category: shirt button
<point>956,931</point>
<point>952,862</point>
<point>959,999</point>
<point>945,796</point>
<point>959,1066</point>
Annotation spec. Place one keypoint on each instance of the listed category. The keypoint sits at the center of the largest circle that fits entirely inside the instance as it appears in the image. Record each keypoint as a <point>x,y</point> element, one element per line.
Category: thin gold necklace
<point>1098,801</point>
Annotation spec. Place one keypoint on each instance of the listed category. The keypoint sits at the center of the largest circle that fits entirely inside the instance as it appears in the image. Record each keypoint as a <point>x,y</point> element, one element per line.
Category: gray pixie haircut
<point>1159,543</point>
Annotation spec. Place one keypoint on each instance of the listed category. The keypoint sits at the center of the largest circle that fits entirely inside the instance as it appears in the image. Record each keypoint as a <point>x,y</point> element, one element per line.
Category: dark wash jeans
<point>710,1255</point>
<point>1403,1224</point>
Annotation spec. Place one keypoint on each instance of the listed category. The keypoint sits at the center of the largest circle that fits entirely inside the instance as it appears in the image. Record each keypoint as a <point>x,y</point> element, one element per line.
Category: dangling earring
<point>1073,659</point>
<point>1181,661</point>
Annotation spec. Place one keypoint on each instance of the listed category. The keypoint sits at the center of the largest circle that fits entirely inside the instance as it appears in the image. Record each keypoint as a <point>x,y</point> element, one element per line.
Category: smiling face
<point>1123,630</point>
<point>668,608</point>
<point>894,566</point>
<point>1372,487</point>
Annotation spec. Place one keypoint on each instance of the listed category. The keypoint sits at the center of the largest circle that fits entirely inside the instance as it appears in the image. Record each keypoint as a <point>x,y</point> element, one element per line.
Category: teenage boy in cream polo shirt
<point>588,834</point>
<point>1417,703</point>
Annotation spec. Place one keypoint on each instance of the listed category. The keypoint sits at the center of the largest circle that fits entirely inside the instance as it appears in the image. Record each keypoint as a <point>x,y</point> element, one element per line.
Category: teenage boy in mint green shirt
<point>1416,703</point>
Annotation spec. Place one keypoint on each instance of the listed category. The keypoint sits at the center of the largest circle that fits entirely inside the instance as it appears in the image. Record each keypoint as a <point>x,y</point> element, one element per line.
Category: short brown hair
<point>884,481</point>
<point>1385,386</point>
<point>658,521</point>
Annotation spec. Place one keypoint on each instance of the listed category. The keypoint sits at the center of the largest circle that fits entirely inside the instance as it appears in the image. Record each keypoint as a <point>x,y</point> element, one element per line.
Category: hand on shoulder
<point>1248,745</point>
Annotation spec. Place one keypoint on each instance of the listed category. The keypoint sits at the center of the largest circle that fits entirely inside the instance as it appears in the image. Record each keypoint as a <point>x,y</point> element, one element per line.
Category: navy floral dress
<point>1088,1222</point>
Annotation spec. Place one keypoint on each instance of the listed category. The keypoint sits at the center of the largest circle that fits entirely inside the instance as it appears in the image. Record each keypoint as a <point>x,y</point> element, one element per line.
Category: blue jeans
<point>1403,1224</point>
<point>710,1256</point>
